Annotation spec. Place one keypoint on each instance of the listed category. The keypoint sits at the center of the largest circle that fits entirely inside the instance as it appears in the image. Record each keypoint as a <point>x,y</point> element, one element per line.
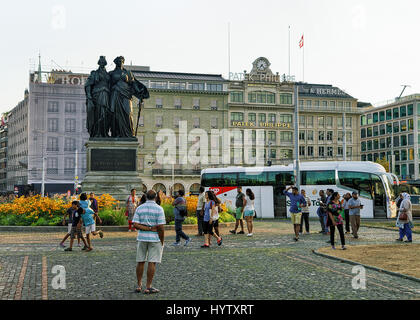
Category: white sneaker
<point>249,235</point>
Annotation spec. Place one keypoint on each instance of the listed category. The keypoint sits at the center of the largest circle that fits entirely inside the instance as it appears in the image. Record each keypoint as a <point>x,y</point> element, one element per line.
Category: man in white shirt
<point>305,212</point>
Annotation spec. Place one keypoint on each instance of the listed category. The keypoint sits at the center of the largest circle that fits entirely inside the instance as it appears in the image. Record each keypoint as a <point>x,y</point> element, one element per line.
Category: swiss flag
<point>301,42</point>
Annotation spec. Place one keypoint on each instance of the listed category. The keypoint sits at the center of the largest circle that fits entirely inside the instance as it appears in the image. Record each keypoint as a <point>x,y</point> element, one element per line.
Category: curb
<point>388,228</point>
<point>188,227</point>
<point>366,266</point>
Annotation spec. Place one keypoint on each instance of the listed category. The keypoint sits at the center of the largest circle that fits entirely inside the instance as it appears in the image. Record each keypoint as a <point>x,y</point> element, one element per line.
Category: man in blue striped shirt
<point>149,219</point>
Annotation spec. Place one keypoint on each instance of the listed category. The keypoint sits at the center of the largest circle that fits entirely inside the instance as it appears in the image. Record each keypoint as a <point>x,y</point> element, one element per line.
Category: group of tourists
<point>82,213</point>
<point>332,213</point>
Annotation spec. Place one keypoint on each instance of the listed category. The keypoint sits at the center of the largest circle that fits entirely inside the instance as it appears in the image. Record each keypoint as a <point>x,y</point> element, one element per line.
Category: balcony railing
<point>177,172</point>
<point>329,109</point>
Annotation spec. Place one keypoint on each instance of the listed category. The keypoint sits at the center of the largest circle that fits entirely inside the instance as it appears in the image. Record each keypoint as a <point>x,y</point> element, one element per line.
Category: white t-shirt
<point>249,204</point>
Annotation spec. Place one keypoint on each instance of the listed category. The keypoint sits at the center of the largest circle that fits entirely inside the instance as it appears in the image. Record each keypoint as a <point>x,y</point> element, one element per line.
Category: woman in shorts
<point>249,211</point>
<point>210,216</point>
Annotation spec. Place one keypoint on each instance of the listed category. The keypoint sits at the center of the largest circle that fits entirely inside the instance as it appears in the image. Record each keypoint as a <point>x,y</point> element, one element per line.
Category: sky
<point>368,48</point>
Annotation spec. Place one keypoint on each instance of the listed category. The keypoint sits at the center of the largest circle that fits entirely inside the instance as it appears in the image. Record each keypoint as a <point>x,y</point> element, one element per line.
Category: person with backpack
<point>211,215</point>
<point>180,212</point>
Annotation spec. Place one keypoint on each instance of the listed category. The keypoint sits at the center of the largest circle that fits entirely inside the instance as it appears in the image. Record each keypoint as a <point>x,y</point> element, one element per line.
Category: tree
<point>384,163</point>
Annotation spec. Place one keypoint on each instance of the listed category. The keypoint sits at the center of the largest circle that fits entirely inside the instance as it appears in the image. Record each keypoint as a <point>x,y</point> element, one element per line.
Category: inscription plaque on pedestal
<point>113,160</point>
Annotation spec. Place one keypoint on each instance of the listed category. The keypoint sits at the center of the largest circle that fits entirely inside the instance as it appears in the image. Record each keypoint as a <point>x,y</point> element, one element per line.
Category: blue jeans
<point>406,231</point>
<point>179,233</point>
<point>325,223</point>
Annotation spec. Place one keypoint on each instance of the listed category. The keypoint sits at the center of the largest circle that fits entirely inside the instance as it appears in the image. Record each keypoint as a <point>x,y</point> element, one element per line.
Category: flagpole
<point>303,62</point>
<point>229,50</point>
<point>289,52</point>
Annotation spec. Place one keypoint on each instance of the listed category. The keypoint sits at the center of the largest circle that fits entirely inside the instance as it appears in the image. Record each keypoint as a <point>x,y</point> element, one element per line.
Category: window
<point>396,127</point>
<point>318,177</point>
<point>301,103</point>
<point>159,103</point>
<point>301,135</point>
<point>70,125</point>
<point>286,136</point>
<point>70,107</point>
<point>279,178</point>
<point>321,135</point>
<point>340,122</point>
<point>329,135</point>
<point>141,121</point>
<point>237,116</point>
<point>403,140</point>
<point>69,166</point>
<point>403,111</point>
<point>396,141</point>
<point>382,129</point>
<point>196,104</point>
<point>52,125</point>
<point>252,179</point>
<point>330,152</point>
<point>375,117</point>
<point>237,96</point>
<point>349,137</point>
<point>309,103</point>
<point>214,87</point>
<point>369,145</point>
<point>272,118</point>
<point>411,155</point>
<point>375,131</point>
<point>52,106</point>
<point>261,117</point>
<point>310,151</point>
<point>410,110</point>
<point>285,98</point>
<point>321,152</point>
<point>213,123</point>
<point>363,121</point>
<point>302,150</point>
<point>309,121</point>
<point>52,144</point>
<point>196,122</point>
<point>389,128</point>
<point>382,116</point>
<point>324,103</point>
<point>329,122</point>
<point>252,117</point>
<point>177,103</point>
<point>403,125</point>
<point>375,144</point>
<point>310,135</point>
<point>196,86</point>
<point>369,119</point>
<point>69,144</point>
<point>159,121</point>
<point>410,139</point>
<point>340,136</point>
<point>321,122</point>
<point>52,166</point>
<point>301,121</point>
<point>389,114</point>
<point>357,180</point>
<point>395,113</point>
<point>403,155</point>
<point>272,137</point>
<point>382,144</point>
<point>273,153</point>
<point>332,104</point>
<point>213,104</point>
<point>410,124</point>
<point>363,133</point>
<point>285,118</point>
<point>363,146</point>
<point>348,122</point>
<point>158,84</point>
<point>339,151</point>
<point>177,85</point>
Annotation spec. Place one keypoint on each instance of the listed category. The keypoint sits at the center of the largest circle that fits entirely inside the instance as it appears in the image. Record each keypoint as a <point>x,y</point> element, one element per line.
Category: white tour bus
<point>370,180</point>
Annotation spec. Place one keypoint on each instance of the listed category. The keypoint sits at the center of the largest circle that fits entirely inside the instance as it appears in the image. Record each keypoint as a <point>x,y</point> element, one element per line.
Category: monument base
<point>112,167</point>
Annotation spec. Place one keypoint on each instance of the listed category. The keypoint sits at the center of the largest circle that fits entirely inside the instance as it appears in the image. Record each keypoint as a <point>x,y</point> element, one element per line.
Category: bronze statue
<point>97,90</point>
<point>109,100</point>
<point>123,87</point>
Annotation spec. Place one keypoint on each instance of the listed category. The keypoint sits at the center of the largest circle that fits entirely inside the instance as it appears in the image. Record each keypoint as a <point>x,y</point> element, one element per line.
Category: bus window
<point>318,177</point>
<point>230,180</point>
<point>252,178</point>
<point>357,180</point>
<point>211,180</point>
<point>378,189</point>
<point>280,178</point>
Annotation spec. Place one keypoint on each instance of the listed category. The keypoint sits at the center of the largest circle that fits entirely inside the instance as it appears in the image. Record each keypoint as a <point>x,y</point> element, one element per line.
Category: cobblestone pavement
<point>270,265</point>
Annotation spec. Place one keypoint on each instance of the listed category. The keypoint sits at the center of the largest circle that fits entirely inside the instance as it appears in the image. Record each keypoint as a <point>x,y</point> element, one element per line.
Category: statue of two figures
<point>109,100</point>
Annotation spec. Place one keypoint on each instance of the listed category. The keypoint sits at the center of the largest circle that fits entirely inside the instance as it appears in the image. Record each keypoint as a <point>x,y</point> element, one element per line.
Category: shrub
<point>169,212</point>
<point>112,217</point>
<point>190,220</point>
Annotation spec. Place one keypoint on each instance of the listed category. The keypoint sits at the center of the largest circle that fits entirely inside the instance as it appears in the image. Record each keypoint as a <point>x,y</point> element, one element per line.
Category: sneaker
<point>187,241</point>
<point>408,241</point>
<point>296,239</point>
<point>84,248</point>
<point>62,245</point>
<point>347,232</point>
<point>333,247</point>
<point>79,245</point>
<point>129,230</point>
<point>205,246</point>
<point>219,243</point>
<point>89,249</point>
<point>101,234</point>
<point>232,231</point>
<point>343,248</point>
<point>356,237</point>
<point>241,232</point>
<point>68,249</point>
<point>321,231</point>
<point>249,235</point>
<point>176,244</point>
<point>399,240</point>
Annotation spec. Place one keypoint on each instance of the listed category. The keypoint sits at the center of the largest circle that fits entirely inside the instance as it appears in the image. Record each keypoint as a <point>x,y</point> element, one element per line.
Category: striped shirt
<point>149,214</point>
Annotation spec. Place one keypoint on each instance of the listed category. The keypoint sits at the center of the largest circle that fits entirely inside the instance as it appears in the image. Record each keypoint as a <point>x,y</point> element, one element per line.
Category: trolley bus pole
<point>297,182</point>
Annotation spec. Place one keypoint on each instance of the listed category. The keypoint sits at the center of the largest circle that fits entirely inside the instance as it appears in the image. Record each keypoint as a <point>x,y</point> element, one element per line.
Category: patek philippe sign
<point>261,124</point>
<point>241,76</point>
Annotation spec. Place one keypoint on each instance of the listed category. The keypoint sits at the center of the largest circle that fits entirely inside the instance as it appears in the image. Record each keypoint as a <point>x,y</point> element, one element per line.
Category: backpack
<point>182,209</point>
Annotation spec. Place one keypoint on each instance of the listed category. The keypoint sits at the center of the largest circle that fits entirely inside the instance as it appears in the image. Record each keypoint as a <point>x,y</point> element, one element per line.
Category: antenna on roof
<point>405,86</point>
<point>39,67</point>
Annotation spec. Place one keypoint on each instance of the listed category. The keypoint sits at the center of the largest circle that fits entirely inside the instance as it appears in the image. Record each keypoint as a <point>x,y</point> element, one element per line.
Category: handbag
<point>403,216</point>
<point>126,212</point>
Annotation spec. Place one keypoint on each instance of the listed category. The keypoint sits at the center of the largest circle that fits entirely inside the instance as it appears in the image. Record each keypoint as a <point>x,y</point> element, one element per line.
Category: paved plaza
<point>270,265</point>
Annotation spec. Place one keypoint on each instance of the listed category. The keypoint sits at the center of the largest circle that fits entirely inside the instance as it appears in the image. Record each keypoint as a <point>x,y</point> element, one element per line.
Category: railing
<point>178,172</point>
<point>329,108</point>
<point>396,100</point>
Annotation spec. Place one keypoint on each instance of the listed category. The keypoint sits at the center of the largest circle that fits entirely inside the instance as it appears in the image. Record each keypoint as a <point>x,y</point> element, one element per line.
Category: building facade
<point>3,152</point>
<point>47,130</point>
<point>391,132</point>
<point>198,101</point>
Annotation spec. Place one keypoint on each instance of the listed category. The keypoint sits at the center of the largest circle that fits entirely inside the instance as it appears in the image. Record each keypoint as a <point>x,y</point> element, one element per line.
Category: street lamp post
<point>297,136</point>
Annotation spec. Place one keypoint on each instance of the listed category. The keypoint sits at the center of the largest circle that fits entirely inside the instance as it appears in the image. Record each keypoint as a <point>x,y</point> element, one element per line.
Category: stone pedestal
<point>112,167</point>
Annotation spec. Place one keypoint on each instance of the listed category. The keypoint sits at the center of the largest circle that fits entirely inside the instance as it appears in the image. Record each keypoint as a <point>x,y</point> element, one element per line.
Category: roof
<point>321,90</point>
<point>359,166</point>
<point>178,75</point>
